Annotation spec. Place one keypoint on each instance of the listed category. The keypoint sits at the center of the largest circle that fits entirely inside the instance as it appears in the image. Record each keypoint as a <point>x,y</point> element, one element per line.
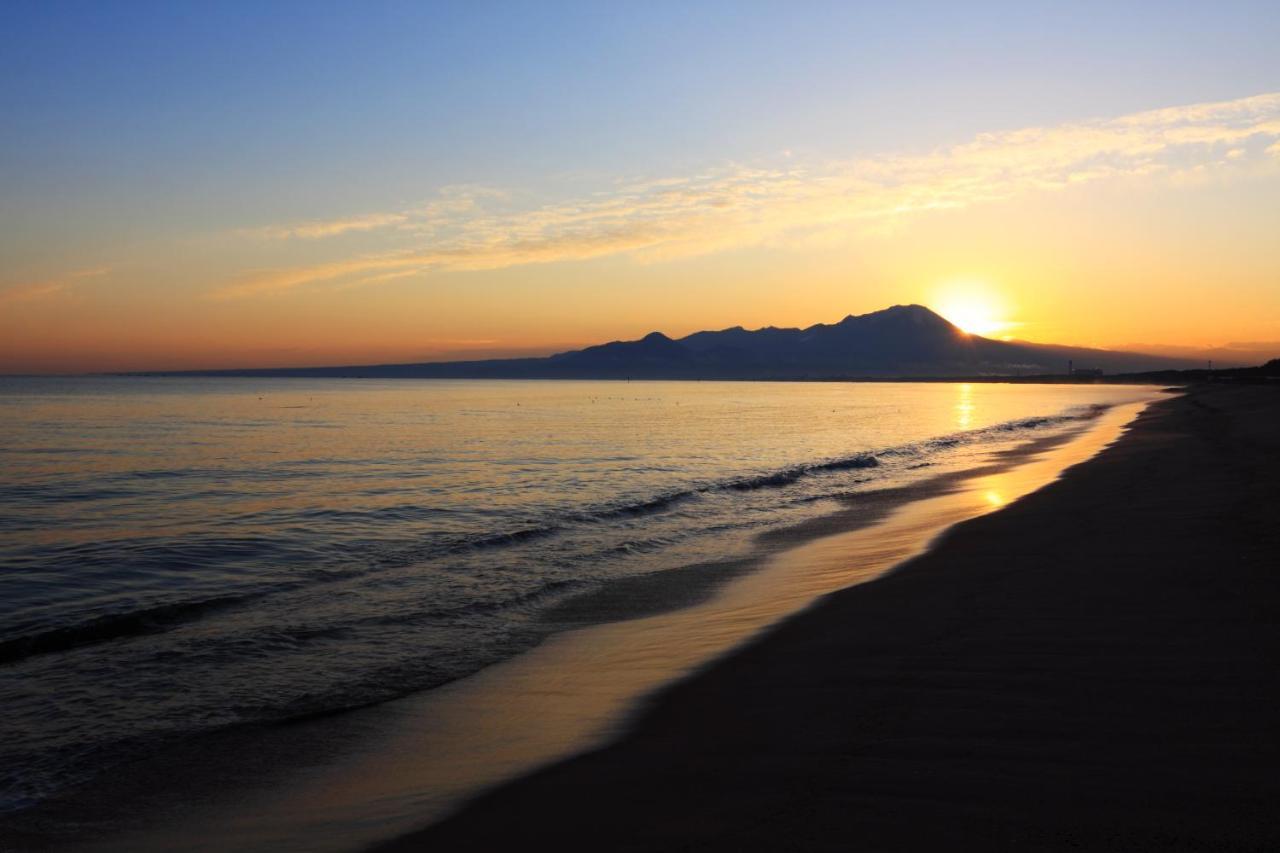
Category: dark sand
<point>1096,667</point>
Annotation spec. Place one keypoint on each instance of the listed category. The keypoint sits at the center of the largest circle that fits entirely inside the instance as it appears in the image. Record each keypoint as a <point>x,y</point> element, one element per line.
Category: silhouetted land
<point>905,341</point>
<point>1091,668</point>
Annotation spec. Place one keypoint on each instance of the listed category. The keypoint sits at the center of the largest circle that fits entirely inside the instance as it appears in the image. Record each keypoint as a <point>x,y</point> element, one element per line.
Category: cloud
<point>33,291</point>
<point>316,229</point>
<point>789,203</point>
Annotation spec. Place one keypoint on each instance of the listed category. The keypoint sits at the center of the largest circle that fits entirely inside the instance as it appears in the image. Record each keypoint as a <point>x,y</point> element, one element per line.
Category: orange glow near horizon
<point>1176,260</point>
<point>974,307</point>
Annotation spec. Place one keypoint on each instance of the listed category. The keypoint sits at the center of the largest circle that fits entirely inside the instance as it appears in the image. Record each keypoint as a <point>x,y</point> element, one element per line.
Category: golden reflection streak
<point>965,406</point>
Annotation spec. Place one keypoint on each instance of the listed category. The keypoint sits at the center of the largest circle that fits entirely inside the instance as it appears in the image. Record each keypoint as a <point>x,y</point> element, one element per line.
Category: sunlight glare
<point>973,307</point>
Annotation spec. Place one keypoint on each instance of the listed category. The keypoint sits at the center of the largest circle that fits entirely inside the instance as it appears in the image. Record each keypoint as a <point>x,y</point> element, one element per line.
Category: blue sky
<point>404,97</point>
<point>136,125</point>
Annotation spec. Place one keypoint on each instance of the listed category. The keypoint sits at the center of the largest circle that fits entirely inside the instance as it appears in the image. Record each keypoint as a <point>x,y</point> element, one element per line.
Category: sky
<point>235,184</point>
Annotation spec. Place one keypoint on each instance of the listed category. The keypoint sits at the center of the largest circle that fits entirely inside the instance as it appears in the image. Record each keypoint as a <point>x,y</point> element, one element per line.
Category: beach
<point>1091,667</point>
<point>453,426</point>
<point>355,641</point>
<point>1064,644</point>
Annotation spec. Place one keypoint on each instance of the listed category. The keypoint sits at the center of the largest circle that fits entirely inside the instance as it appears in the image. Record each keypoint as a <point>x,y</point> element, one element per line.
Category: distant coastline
<point>902,343</point>
<point>1155,377</point>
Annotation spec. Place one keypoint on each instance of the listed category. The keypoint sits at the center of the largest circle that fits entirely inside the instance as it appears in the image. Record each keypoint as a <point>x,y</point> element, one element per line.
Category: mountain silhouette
<point>902,341</point>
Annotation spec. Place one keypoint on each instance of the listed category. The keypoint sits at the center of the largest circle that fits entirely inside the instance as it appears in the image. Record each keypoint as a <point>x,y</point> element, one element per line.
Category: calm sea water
<point>179,556</point>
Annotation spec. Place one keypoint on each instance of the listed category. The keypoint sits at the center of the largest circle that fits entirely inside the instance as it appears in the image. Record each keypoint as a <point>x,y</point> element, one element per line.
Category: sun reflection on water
<point>964,406</point>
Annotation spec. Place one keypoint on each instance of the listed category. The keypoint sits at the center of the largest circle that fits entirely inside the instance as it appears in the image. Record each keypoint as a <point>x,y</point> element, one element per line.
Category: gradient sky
<point>218,185</point>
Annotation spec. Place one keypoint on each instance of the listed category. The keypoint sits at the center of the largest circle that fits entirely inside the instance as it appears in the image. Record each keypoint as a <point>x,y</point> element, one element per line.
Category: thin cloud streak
<point>318,229</point>
<point>35,291</point>
<point>476,228</point>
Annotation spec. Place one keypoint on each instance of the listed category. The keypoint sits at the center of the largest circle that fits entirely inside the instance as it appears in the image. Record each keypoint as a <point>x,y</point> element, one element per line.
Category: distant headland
<point>904,341</point>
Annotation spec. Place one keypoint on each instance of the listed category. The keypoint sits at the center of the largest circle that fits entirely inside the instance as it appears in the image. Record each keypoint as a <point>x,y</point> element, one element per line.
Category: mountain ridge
<point>899,341</point>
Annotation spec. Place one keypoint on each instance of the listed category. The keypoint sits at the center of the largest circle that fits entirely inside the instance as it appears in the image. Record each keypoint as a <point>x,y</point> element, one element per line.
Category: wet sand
<point>1094,667</point>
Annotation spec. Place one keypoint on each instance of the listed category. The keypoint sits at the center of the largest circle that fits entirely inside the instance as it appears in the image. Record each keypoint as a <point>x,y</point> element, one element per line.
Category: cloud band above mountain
<point>477,228</point>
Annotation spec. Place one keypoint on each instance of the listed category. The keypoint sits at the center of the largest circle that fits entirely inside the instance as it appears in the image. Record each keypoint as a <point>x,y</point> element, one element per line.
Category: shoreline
<point>1177,378</point>
<point>259,789</point>
<point>1090,668</point>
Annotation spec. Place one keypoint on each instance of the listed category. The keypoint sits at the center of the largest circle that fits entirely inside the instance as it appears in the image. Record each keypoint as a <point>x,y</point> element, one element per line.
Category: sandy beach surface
<point>1091,668</point>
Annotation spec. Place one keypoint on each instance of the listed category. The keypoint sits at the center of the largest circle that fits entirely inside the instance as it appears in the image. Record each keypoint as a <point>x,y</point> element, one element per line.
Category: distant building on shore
<point>1084,372</point>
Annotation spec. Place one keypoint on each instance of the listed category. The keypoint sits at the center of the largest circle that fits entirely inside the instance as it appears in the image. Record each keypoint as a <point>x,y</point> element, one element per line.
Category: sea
<point>181,556</point>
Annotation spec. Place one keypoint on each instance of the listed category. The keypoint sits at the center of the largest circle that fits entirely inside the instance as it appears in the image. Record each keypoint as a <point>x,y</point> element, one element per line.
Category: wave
<point>642,507</point>
<point>114,626</point>
<point>863,460</point>
<point>163,617</point>
<point>503,538</point>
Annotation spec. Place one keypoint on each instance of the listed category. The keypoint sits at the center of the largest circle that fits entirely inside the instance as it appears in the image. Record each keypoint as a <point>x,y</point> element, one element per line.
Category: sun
<point>974,318</point>
<point>972,307</point>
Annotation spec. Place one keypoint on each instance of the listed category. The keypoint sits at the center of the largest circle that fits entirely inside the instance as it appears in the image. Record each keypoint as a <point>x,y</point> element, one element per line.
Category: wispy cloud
<point>315,229</point>
<point>476,228</point>
<point>33,291</point>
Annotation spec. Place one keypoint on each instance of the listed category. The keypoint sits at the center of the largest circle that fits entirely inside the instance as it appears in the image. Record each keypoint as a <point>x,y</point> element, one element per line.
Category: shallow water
<point>185,555</point>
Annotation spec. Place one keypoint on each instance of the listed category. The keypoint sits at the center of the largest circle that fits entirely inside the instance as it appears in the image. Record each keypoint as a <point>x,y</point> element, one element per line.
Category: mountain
<point>902,341</point>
